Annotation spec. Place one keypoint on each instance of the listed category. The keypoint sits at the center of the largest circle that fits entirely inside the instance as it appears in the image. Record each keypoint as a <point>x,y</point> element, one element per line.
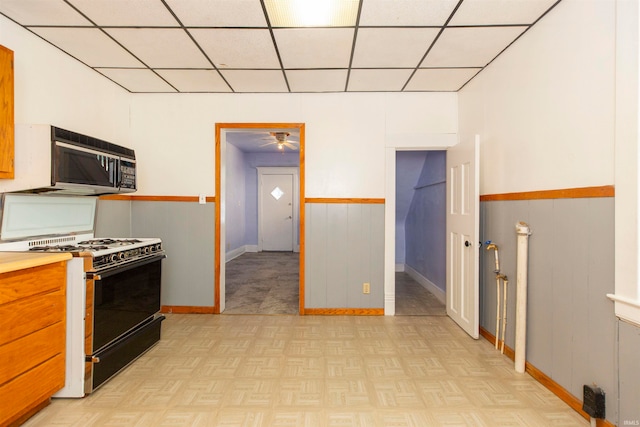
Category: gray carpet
<point>268,283</point>
<point>263,283</point>
<point>413,299</point>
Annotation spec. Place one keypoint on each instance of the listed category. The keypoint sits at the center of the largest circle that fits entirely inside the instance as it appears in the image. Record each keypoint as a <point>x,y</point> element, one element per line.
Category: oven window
<point>124,300</point>
<point>79,167</point>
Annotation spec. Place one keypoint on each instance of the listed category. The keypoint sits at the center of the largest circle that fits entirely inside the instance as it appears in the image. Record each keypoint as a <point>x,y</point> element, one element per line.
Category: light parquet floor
<point>288,370</point>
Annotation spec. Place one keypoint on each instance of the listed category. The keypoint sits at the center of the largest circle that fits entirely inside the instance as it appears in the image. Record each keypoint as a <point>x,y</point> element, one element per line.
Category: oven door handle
<point>99,275</point>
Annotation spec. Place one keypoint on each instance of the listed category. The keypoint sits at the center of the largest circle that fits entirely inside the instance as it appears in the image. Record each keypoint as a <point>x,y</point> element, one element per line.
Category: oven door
<point>124,298</point>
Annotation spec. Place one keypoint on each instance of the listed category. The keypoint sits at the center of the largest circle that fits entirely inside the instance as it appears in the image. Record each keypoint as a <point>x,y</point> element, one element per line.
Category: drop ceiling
<point>256,46</point>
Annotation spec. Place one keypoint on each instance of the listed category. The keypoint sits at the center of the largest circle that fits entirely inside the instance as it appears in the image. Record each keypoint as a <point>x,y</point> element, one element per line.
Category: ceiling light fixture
<point>312,13</point>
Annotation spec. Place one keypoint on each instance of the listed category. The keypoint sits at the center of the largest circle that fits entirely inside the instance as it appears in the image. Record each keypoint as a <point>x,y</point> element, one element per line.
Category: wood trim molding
<point>185,309</point>
<point>551,385</point>
<point>156,198</point>
<point>301,176</point>
<point>218,210</point>
<point>567,193</point>
<point>301,219</point>
<point>349,200</point>
<point>344,311</point>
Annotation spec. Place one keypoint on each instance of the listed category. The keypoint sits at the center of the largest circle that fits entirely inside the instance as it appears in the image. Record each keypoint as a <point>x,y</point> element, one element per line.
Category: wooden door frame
<point>219,129</point>
<point>280,170</point>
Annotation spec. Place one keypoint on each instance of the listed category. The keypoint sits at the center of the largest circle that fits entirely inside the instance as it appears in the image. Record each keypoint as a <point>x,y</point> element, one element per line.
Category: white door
<point>277,212</point>
<point>463,232</point>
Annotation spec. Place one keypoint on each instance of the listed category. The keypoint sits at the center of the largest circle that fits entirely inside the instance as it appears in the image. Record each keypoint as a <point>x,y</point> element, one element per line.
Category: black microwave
<point>86,165</point>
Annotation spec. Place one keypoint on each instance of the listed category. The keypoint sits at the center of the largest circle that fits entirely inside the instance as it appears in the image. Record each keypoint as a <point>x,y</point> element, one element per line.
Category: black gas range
<point>113,305</point>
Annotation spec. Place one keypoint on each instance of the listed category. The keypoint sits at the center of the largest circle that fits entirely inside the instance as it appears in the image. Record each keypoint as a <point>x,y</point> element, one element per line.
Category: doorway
<point>462,224</point>
<point>420,233</point>
<point>246,152</point>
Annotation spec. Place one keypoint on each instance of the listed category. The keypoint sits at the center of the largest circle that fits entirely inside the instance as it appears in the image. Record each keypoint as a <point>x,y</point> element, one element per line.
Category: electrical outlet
<point>366,288</point>
<point>202,199</point>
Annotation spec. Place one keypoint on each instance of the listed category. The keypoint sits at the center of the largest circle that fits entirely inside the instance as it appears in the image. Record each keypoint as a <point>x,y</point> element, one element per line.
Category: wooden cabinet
<point>6,113</point>
<point>32,339</point>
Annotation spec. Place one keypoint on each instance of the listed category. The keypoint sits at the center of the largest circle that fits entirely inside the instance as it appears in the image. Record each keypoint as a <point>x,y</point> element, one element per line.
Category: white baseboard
<point>239,251</point>
<point>399,268</point>
<point>234,253</point>
<point>427,284</point>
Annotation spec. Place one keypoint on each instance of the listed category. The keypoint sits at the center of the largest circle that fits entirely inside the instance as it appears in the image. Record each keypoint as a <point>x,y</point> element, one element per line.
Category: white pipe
<point>523,232</point>
<point>497,308</point>
<point>505,282</point>
<point>495,248</point>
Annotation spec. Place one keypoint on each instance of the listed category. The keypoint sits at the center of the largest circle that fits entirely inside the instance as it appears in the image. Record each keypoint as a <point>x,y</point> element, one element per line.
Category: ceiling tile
<point>406,12</point>
<point>238,48</point>
<point>440,79</point>
<point>89,45</point>
<point>315,47</point>
<point>219,13</point>
<point>470,47</point>
<point>378,80</point>
<point>137,80</point>
<point>138,13</point>
<point>314,13</point>
<point>493,12</point>
<point>161,47</point>
<point>195,80</point>
<point>317,80</point>
<point>41,12</point>
<point>255,80</point>
<point>392,47</point>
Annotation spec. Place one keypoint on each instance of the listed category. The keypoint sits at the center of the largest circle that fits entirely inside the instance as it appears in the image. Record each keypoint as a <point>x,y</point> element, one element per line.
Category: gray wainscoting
<point>113,218</point>
<point>187,231</point>
<point>344,246</point>
<point>571,329</point>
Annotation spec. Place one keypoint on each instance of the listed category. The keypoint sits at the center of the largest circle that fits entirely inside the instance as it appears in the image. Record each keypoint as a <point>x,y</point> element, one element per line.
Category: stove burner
<point>61,248</point>
<point>109,242</point>
<point>92,247</point>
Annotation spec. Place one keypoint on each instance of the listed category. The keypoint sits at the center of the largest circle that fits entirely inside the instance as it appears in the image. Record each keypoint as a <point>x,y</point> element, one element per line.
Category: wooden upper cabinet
<point>6,113</point>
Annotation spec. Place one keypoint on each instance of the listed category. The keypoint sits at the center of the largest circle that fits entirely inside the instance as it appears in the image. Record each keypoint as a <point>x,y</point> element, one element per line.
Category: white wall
<point>52,88</point>
<point>345,136</point>
<point>545,108</point>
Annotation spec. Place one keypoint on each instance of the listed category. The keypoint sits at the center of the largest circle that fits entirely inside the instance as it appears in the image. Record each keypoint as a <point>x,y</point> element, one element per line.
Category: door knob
<point>467,243</point>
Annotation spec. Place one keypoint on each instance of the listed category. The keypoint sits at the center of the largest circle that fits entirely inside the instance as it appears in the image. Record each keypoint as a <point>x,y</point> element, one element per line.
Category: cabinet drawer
<point>25,353</point>
<point>30,388</point>
<point>27,315</point>
<point>32,281</point>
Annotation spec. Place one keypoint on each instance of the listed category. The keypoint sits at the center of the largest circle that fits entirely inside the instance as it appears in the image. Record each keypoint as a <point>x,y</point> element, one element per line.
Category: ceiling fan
<point>281,140</point>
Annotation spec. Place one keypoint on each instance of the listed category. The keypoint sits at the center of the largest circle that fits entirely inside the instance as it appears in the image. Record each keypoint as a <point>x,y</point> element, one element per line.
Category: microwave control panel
<point>127,174</point>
